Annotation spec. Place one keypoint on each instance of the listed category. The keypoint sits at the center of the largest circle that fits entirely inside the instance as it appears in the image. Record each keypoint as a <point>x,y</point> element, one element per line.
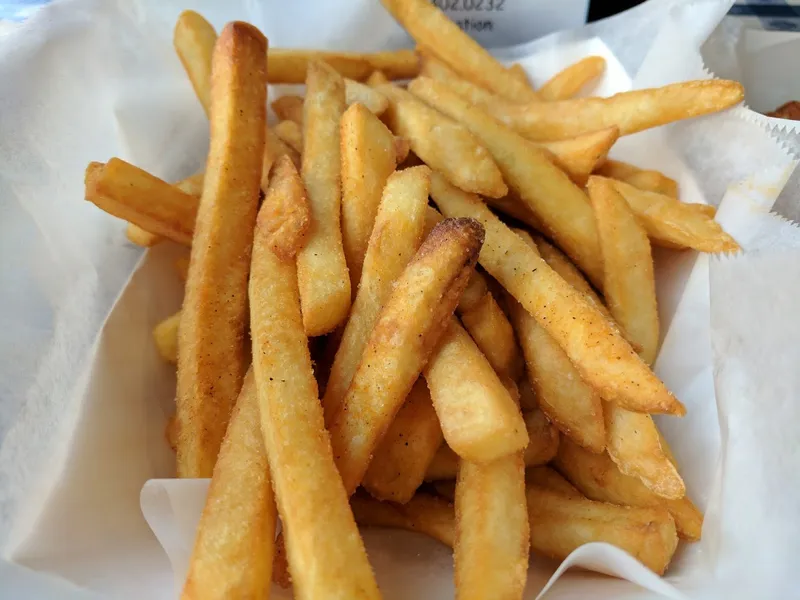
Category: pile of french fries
<point>479,369</point>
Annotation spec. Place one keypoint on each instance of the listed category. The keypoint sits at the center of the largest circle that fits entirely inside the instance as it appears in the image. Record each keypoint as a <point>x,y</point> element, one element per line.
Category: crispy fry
<point>233,549</point>
<point>360,93</point>
<point>274,149</point>
<point>634,446</point>
<point>579,155</point>
<point>291,133</point>
<point>479,419</point>
<point>670,222</point>
<point>433,30</point>
<point>630,111</point>
<point>398,467</point>
<point>194,40</point>
<point>560,524</point>
<point>600,479</point>
<point>492,532</point>
<point>424,513</point>
<point>368,158</point>
<point>568,82</point>
<point>140,237</point>
<point>321,267</point>
<point>165,335</point>
<point>376,78</point>
<point>324,551</point>
<point>545,477</point>
<point>518,71</point>
<point>609,364</point>
<point>562,207</point>
<point>288,108</point>
<point>650,181</point>
<point>443,144</point>
<point>290,66</point>
<point>443,466</point>
<point>397,234</point>
<point>211,345</point>
<point>704,209</point>
<point>404,336</point>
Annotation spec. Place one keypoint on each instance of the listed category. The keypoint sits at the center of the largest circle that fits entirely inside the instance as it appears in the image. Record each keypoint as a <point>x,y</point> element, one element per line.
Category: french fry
<point>560,524</point>
<point>232,555</point>
<point>443,144</point>
<point>291,133</point>
<point>368,158</point>
<point>171,432</point>
<point>512,206</point>
<point>288,108</point>
<point>446,489</point>
<point>401,149</point>
<point>275,148</point>
<point>609,364</point>
<point>324,550</point>
<point>629,284</point>
<point>704,209</point>
<point>376,78</point>
<point>600,479</point>
<point>321,267</point>
<point>194,40</point>
<point>444,465</point>
<point>355,92</point>
<point>634,446</point>
<point>492,532</point>
<point>479,418</point>
<point>568,82</point>
<point>648,180</point>
<point>165,335</point>
<point>670,222</point>
<point>518,71</point>
<point>291,66</point>
<point>182,267</point>
<point>397,234</point>
<point>404,336</point>
<point>140,237</point>
<point>527,397</point>
<point>433,30</point>
<point>549,479</point>
<point>401,459</point>
<point>562,207</point>
<point>579,155</point>
<point>211,343</point>
<point>632,111</point>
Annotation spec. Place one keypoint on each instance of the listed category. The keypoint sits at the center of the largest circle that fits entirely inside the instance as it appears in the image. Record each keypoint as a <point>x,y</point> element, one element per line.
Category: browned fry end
<point>284,217</point>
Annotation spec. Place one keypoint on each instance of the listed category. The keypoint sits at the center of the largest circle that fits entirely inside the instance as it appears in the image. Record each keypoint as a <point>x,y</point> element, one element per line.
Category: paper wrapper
<point>86,398</point>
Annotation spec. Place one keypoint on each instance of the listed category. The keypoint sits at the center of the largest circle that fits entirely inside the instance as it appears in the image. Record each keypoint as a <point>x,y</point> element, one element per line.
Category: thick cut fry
<point>368,158</point>
<point>194,40</point>
<point>360,93</point>
<point>513,207</point>
<point>291,133</point>
<point>479,418</point>
<point>492,532</point>
<point>288,108</point>
<point>670,222</point>
<point>630,111</point>
<point>140,237</point>
<point>443,144</point>
<point>579,155</point>
<point>545,477</point>
<point>600,479</point>
<point>560,524</point>
<point>211,346</point>
<point>568,82</point>
<point>165,335</point>
<point>562,207</point>
<point>291,66</point>
<point>650,181</point>
<point>518,71</point>
<point>321,267</point>
<point>395,238</point>
<point>443,466</point>
<point>634,446</point>
<point>404,336</point>
<point>275,148</point>
<point>402,458</point>
<point>232,556</point>
<point>324,550</point>
<point>401,150</point>
<point>424,513</point>
<point>376,78</point>
<point>433,30</point>
<point>604,359</point>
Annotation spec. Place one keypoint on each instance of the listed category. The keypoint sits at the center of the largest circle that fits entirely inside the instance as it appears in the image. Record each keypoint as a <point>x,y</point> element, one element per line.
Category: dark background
<point>599,9</point>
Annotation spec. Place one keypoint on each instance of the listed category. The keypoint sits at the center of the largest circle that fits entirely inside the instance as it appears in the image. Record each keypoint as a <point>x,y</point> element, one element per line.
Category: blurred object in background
<point>600,9</point>
<point>772,15</point>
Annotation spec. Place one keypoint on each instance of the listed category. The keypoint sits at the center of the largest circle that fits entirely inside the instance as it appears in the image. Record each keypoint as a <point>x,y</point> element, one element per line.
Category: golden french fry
<point>182,267</point>
<point>446,489</point>
<point>401,149</point>
<point>492,533</point>
<point>233,548</point>
<point>704,209</point>
<point>518,71</point>
<point>433,30</point>
<point>376,78</point>
<point>545,477</point>
<point>321,267</point>
<point>479,418</point>
<point>632,111</point>
<point>360,93</point>
<point>368,158</point>
<point>194,40</point>
<point>444,465</point>
<point>211,343</point>
<point>560,524</point>
<point>165,335</point>
<point>668,221</point>
<point>291,66</point>
<point>291,133</point>
<point>443,144</point>
<point>562,207</point>
<point>140,237</point>
<point>192,185</point>
<point>568,82</point>
<point>324,550</point>
<point>609,365</point>
<point>512,206</point>
<point>634,446</point>
<point>527,396</point>
<point>288,108</point>
<point>397,234</point>
<point>629,283</point>
<point>579,155</point>
<point>600,479</point>
<point>648,180</point>
<point>401,459</point>
<point>274,149</point>
<point>404,336</point>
